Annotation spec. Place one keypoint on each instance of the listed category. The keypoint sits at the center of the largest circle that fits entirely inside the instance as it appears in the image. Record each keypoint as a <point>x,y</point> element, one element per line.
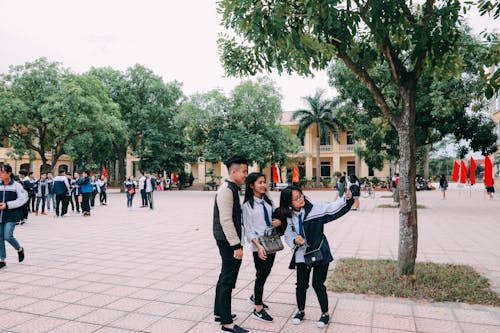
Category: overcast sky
<point>174,38</point>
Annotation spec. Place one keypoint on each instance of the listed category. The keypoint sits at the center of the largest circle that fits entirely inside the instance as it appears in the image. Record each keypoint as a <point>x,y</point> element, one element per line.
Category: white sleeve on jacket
<point>22,197</point>
<point>290,234</point>
<point>248,222</point>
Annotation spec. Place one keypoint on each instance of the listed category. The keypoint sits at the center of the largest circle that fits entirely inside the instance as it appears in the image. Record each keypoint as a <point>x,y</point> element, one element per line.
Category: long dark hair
<point>251,179</point>
<point>285,208</point>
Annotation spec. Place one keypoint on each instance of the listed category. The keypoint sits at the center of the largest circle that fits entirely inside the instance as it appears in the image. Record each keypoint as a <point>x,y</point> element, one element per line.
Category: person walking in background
<point>353,180</point>
<point>342,186</point>
<point>228,235</point>
<point>130,186</point>
<point>25,182</point>
<point>12,198</point>
<point>142,189</point>
<point>103,198</point>
<point>51,196</point>
<point>149,187</point>
<point>62,191</point>
<point>443,185</point>
<point>93,182</point>
<point>75,191</point>
<point>32,190</point>
<point>257,212</point>
<point>41,193</point>
<point>305,233</point>
<point>86,191</point>
<point>69,198</point>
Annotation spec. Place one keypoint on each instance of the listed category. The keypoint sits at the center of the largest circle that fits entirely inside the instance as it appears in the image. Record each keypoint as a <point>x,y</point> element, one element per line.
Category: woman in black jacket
<point>304,234</point>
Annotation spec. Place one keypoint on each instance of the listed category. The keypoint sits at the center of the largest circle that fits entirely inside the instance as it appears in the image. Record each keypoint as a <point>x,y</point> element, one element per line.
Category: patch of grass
<point>393,206</point>
<point>434,282</point>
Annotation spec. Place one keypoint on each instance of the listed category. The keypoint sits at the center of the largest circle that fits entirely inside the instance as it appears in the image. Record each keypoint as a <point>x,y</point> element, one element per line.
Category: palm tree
<point>322,114</point>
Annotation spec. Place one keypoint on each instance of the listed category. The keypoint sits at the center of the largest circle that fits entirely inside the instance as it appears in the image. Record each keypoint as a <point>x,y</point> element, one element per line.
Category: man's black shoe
<point>235,329</point>
<point>217,318</point>
<point>2,264</point>
<point>20,255</point>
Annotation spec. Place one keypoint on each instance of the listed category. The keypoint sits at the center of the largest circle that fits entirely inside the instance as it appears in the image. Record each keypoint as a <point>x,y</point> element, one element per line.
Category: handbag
<point>317,256</point>
<point>131,191</point>
<point>271,241</point>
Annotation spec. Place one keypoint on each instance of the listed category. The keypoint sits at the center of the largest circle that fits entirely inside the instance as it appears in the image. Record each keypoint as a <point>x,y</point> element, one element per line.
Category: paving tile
<point>434,312</point>
<point>170,325</point>
<point>127,304</point>
<point>157,308</point>
<point>351,317</point>
<point>135,321</point>
<point>188,312</point>
<point>11,319</point>
<point>43,307</point>
<point>102,316</point>
<point>72,311</point>
<point>17,302</point>
<point>256,325</point>
<point>397,322</point>
<point>75,327</point>
<point>98,300</point>
<point>39,325</point>
<point>436,326</point>
<point>342,328</point>
<point>477,316</point>
<point>477,328</point>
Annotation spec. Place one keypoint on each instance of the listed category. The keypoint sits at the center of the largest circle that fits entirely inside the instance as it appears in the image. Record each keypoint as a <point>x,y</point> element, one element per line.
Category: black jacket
<point>15,197</point>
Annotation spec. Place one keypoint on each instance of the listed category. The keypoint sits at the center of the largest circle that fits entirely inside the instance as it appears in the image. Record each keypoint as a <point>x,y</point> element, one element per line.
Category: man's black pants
<point>226,282</point>
<point>144,198</point>
<point>62,199</point>
<point>86,202</point>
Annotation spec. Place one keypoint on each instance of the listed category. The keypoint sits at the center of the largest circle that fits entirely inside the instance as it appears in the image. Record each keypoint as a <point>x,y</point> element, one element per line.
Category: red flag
<point>472,171</point>
<point>456,168</point>
<point>175,179</point>
<point>276,177</point>
<point>488,172</point>
<point>295,174</point>
<point>104,172</point>
<point>463,173</point>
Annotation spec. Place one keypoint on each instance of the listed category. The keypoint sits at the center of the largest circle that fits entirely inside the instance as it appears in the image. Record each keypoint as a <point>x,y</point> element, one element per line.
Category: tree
<point>298,36</point>
<point>320,114</point>
<point>443,106</point>
<point>245,123</point>
<point>45,107</point>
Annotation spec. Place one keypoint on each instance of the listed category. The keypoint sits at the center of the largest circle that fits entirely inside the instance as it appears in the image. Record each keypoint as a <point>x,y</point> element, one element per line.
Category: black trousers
<point>103,198</point>
<point>262,271</point>
<point>319,278</point>
<point>92,198</point>
<point>31,202</point>
<point>86,202</point>
<point>63,200</point>
<point>144,198</point>
<point>149,199</point>
<point>42,199</point>
<point>226,283</point>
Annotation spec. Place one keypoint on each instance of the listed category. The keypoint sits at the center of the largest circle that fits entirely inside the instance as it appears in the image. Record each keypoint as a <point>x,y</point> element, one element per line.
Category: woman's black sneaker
<point>20,255</point>
<point>235,329</point>
<point>2,264</point>
<point>298,318</point>
<point>217,318</point>
<point>262,316</point>
<point>323,321</point>
<point>251,300</point>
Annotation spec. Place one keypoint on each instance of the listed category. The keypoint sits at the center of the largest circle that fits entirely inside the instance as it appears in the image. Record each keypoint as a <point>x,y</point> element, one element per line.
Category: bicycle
<point>367,190</point>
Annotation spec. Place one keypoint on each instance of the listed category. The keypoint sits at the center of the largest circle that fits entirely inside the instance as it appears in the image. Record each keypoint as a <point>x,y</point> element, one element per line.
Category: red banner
<point>463,172</point>
<point>104,172</point>
<point>276,176</point>
<point>488,172</point>
<point>295,174</point>
<point>472,171</point>
<point>456,168</point>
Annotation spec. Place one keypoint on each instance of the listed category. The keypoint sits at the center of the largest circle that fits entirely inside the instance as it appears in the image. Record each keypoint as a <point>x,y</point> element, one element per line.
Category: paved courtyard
<point>154,271</point>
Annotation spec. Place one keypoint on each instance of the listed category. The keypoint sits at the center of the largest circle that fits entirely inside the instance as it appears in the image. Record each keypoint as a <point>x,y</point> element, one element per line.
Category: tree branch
<point>371,85</point>
<point>419,64</point>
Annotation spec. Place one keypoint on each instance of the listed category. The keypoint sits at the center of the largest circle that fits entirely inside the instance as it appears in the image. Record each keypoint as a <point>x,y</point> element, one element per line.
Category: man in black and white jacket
<point>12,198</point>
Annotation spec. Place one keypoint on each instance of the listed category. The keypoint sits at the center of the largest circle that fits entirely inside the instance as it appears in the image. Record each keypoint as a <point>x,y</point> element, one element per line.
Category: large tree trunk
<point>408,231</point>
<point>121,169</point>
<point>318,164</point>
<point>426,161</point>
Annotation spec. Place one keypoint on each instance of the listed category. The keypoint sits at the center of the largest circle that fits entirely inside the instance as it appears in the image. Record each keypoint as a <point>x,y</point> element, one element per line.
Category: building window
<point>350,138</point>
<point>371,172</point>
<point>351,168</point>
<point>325,139</point>
<point>326,169</point>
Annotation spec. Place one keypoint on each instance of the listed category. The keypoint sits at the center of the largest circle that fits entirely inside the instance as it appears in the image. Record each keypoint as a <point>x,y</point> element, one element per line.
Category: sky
<point>174,38</point>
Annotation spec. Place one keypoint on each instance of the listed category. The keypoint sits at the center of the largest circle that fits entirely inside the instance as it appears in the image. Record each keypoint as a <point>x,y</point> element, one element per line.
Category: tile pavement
<point>138,270</point>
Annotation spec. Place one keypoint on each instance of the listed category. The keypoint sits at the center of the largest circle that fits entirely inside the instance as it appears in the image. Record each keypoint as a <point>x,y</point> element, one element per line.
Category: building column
<point>336,163</point>
<point>309,168</point>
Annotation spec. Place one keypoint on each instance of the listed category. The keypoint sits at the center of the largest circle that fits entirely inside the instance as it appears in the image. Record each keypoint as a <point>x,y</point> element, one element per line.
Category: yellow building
<point>17,163</point>
<point>333,157</point>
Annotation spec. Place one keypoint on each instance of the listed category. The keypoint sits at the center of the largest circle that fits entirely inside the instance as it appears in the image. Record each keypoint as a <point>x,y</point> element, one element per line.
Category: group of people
<point>146,187</point>
<point>299,220</point>
<point>343,183</point>
<point>57,193</point>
